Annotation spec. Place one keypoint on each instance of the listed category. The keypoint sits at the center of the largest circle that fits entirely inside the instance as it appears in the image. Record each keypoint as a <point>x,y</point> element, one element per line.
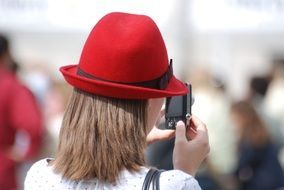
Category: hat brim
<point>118,90</point>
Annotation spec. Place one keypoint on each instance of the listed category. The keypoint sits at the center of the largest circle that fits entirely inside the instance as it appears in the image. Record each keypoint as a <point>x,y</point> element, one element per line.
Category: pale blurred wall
<point>236,57</point>
<point>50,50</point>
<point>53,32</point>
<point>232,51</point>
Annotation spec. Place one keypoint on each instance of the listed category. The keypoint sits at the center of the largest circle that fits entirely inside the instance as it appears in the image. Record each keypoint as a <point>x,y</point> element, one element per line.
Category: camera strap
<point>152,177</point>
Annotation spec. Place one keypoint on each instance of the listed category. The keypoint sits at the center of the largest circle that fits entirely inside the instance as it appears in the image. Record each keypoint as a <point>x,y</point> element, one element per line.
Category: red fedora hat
<point>125,57</point>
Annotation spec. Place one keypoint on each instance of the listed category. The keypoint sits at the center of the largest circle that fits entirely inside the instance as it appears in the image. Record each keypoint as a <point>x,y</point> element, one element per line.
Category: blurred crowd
<point>30,117</point>
<point>246,134</point>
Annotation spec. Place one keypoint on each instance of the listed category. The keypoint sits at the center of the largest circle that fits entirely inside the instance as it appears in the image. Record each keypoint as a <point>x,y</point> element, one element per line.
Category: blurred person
<point>18,113</point>
<point>119,88</point>
<point>259,86</point>
<point>258,166</point>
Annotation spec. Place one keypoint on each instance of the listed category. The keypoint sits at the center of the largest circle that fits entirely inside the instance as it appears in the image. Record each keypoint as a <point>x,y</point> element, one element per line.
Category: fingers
<point>180,131</point>
<point>202,134</point>
<point>166,134</point>
<point>183,150</point>
<point>200,126</point>
<point>191,133</point>
<point>157,134</point>
<point>197,131</point>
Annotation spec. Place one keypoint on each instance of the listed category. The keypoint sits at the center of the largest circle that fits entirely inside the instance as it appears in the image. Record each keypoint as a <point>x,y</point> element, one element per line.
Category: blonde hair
<point>100,136</point>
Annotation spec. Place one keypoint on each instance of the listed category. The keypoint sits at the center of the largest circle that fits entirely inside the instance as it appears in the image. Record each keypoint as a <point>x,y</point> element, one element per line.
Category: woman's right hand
<point>188,155</point>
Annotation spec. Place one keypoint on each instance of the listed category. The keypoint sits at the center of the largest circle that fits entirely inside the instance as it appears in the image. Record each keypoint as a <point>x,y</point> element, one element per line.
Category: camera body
<point>178,108</point>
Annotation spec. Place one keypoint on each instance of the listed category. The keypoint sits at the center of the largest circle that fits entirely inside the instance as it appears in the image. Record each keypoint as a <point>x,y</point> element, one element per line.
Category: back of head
<point>100,136</point>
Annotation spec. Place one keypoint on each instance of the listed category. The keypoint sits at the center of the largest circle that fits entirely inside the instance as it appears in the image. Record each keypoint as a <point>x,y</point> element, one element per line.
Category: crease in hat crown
<point>123,48</point>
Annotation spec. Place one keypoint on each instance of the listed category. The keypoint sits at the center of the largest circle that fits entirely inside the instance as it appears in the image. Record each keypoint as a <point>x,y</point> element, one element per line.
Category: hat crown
<point>125,48</point>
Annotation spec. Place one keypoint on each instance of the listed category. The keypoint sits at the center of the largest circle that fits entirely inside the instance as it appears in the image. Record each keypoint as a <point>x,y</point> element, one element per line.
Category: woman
<point>258,165</point>
<point>119,89</point>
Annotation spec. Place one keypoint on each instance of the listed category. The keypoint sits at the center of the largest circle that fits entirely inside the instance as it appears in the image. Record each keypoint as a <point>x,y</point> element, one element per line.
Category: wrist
<point>185,168</point>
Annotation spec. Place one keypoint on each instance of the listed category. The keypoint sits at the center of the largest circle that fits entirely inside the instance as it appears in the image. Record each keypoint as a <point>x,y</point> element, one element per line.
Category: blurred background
<point>231,51</point>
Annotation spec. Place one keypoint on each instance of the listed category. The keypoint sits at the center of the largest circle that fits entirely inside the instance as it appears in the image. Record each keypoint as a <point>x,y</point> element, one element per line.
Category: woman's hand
<point>157,134</point>
<point>188,155</point>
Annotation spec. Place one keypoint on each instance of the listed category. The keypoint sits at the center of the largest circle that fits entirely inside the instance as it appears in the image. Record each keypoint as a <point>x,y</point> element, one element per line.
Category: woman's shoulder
<point>41,166</point>
<point>38,167</point>
<point>177,179</point>
<point>40,175</point>
<point>171,179</point>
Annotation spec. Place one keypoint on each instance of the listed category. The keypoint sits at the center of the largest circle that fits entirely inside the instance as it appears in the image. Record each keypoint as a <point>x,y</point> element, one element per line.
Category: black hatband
<point>158,83</point>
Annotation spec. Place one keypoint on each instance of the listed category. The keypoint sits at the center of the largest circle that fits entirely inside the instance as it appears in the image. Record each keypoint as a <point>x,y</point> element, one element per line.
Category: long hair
<point>101,136</point>
<point>254,130</point>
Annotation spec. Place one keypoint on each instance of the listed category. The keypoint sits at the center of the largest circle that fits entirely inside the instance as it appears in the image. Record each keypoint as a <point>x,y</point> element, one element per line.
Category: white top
<point>41,176</point>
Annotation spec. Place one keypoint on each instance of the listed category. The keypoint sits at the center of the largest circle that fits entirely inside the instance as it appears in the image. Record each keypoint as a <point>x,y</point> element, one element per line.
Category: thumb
<point>180,131</point>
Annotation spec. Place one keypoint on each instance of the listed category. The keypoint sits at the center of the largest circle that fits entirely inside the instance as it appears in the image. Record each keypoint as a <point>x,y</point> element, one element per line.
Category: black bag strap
<point>156,181</point>
<point>153,176</point>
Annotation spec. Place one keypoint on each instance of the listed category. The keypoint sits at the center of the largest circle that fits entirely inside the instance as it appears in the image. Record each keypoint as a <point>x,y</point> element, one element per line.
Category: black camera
<point>178,108</point>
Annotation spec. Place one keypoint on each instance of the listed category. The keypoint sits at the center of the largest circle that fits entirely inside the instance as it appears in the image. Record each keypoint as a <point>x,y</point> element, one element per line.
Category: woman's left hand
<point>157,134</point>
